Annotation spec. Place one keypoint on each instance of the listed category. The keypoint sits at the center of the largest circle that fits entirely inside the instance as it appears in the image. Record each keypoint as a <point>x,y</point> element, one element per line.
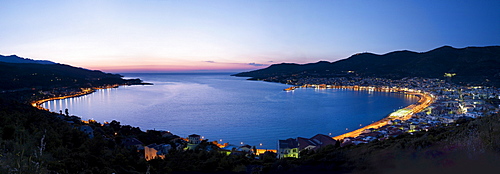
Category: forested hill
<point>27,75</point>
<point>472,65</point>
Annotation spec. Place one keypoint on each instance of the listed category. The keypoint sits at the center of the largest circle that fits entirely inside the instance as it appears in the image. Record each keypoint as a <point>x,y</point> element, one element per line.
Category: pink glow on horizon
<point>213,67</point>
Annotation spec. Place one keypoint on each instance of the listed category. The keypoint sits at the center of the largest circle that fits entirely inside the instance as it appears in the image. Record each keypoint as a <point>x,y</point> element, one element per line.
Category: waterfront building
<point>314,143</point>
<point>288,148</point>
<point>193,141</point>
<point>292,147</point>
<point>154,150</point>
<point>233,149</point>
<point>166,134</point>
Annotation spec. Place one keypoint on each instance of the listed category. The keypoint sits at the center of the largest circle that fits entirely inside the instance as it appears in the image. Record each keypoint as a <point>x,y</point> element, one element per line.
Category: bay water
<point>230,109</point>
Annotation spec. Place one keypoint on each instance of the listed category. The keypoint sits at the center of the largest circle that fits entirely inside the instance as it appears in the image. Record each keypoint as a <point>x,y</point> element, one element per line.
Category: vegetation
<point>36,141</point>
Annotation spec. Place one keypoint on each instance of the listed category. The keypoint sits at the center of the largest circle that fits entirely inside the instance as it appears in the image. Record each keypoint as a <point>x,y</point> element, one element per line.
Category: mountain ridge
<point>17,59</point>
<point>472,65</point>
<point>48,75</point>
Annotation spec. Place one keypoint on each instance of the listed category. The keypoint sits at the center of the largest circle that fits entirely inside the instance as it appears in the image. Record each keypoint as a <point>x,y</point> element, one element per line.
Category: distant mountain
<point>45,75</point>
<point>17,59</point>
<point>472,65</point>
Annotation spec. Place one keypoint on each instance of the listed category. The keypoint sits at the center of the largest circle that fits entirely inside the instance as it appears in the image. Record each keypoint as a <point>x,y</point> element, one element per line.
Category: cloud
<point>257,64</point>
<point>209,61</point>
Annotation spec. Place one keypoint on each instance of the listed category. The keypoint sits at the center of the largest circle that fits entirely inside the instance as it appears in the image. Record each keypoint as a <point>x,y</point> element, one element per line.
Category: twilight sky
<point>235,35</point>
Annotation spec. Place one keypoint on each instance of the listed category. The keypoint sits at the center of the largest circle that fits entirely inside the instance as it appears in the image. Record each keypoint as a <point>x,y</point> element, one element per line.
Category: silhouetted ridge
<point>17,59</point>
<point>472,65</point>
<point>19,76</point>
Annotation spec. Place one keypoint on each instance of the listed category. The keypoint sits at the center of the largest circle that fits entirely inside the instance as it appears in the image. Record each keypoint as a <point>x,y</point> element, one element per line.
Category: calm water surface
<point>219,106</point>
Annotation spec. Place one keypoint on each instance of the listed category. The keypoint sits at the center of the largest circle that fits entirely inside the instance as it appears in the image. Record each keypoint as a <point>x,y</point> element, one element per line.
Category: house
<point>371,134</point>
<point>395,133</point>
<point>447,119</point>
<point>358,141</point>
<point>288,148</point>
<point>438,110</point>
<point>154,150</point>
<point>233,149</point>
<point>369,138</point>
<point>413,127</point>
<point>193,141</point>
<point>316,142</point>
<point>347,141</point>
<point>472,114</point>
<point>166,134</point>
<point>368,130</point>
<point>246,148</point>
<point>292,147</point>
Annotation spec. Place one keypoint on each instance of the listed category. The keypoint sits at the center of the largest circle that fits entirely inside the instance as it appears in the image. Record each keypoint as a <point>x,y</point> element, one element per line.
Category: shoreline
<point>84,91</point>
<point>424,101</point>
<point>405,113</point>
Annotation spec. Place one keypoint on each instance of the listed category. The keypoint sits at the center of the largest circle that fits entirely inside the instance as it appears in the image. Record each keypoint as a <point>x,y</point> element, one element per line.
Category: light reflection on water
<point>219,106</point>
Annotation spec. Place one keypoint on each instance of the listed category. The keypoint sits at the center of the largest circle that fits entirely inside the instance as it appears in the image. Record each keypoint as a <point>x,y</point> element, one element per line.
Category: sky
<point>235,35</point>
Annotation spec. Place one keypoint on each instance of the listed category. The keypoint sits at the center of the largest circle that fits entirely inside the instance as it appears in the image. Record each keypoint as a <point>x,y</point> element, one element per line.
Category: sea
<point>233,110</point>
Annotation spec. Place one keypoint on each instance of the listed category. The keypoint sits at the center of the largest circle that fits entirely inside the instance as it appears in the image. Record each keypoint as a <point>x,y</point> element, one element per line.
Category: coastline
<point>37,104</point>
<point>84,91</point>
<point>425,99</point>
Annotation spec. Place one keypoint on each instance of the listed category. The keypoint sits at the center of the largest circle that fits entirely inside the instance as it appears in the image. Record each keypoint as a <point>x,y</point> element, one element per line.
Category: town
<point>450,104</point>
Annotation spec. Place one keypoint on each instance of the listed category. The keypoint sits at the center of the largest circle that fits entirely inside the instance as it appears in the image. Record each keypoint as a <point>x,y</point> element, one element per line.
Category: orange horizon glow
<point>198,67</point>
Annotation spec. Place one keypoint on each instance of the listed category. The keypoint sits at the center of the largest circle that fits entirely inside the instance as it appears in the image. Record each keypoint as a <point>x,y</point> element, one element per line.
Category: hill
<point>17,59</point>
<point>472,65</point>
<point>31,75</point>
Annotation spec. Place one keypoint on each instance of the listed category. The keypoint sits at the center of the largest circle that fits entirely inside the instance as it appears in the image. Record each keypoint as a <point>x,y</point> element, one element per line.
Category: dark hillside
<point>472,65</point>
<point>15,76</point>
